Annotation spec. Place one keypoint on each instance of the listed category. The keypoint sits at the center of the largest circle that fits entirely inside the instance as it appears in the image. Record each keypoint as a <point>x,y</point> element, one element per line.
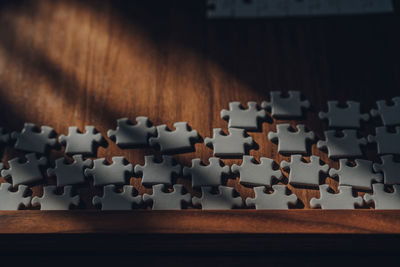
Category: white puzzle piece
<point>344,200</point>
<point>347,117</point>
<point>115,173</point>
<point>158,172</point>
<point>206,175</point>
<point>384,200</point>
<point>32,140</point>
<point>289,141</point>
<point>286,107</point>
<point>112,200</point>
<point>344,146</point>
<point>278,200</point>
<point>127,134</point>
<point>388,113</point>
<point>243,118</point>
<point>52,201</point>
<point>70,173</point>
<point>167,200</point>
<point>13,200</point>
<point>233,144</point>
<point>80,143</point>
<point>389,168</point>
<point>223,200</point>
<point>388,142</point>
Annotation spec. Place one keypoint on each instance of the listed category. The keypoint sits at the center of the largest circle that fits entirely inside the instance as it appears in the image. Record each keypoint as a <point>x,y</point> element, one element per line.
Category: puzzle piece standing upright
<point>13,200</point>
<point>206,175</point>
<point>291,142</point>
<point>243,118</point>
<point>389,168</point>
<point>233,144</point>
<point>127,134</point>
<point>304,173</point>
<point>51,201</point>
<point>72,173</point>
<point>172,141</point>
<point>80,143</point>
<point>224,200</point>
<point>27,172</point>
<point>254,174</point>
<point>344,200</point>
<point>167,200</point>
<point>278,200</point>
<point>359,176</point>
<point>112,200</point>
<point>347,145</point>
<point>388,143</point>
<point>158,173</point>
<point>115,173</point>
<point>286,107</point>
<point>30,139</point>
<point>384,200</point>
<point>4,136</point>
<point>389,114</point>
<point>348,117</point>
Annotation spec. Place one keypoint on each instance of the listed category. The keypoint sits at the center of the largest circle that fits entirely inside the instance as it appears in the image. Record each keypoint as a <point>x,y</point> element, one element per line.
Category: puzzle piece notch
<point>347,145</point>
<point>112,200</point>
<point>387,142</point>
<point>26,172</point>
<point>52,201</point>
<point>224,200</point>
<point>233,144</point>
<point>384,200</point>
<point>70,173</point>
<point>167,200</point>
<point>180,139</point>
<point>286,107</point>
<point>389,168</point>
<point>13,200</point>
<point>344,200</point>
<point>256,174</point>
<point>81,143</point>
<point>347,117</point>
<point>304,173</point>
<point>388,113</point>
<point>127,134</point>
<point>278,200</point>
<point>158,172</point>
<point>291,142</point>
<point>29,139</point>
<point>359,176</point>
<point>243,118</point>
<point>4,136</point>
<point>206,175</point>
<point>114,173</point>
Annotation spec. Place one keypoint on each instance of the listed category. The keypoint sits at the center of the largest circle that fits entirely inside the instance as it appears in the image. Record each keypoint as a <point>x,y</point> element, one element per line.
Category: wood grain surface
<point>77,63</point>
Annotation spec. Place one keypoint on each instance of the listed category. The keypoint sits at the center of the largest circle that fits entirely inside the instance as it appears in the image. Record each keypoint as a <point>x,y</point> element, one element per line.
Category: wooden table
<point>80,63</point>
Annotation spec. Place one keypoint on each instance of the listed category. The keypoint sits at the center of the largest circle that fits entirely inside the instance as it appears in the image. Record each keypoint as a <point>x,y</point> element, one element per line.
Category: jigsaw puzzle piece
<point>388,142</point>
<point>388,113</point>
<point>115,173</point>
<point>206,175</point>
<point>243,118</point>
<point>224,200</point>
<point>286,107</point>
<point>278,200</point>
<point>112,200</point>
<point>347,117</point>
<point>233,144</point>
<point>347,145</point>
<point>289,141</point>
<point>81,143</point>
<point>384,200</point>
<point>158,172</point>
<point>127,134</point>
<point>13,200</point>
<point>32,140</point>
<point>52,201</point>
<point>344,200</point>
<point>70,173</point>
<point>389,168</point>
<point>167,200</point>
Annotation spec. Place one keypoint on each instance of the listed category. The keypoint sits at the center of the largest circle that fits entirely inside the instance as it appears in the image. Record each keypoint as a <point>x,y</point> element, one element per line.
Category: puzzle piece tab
<point>254,174</point>
<point>359,176</point>
<point>167,200</point>
<point>158,172</point>
<point>233,144</point>
<point>243,118</point>
<point>72,173</point>
<point>52,201</point>
<point>286,107</point>
<point>389,168</point>
<point>344,200</point>
<point>115,173</point>
<point>206,175</point>
<point>224,200</point>
<point>13,200</point>
<point>384,200</point>
<point>278,200</point>
<point>348,117</point>
<point>291,142</point>
<point>80,143</point>
<point>112,200</point>
<point>30,139</point>
<point>347,145</point>
<point>389,113</point>
<point>127,135</point>
<point>388,143</point>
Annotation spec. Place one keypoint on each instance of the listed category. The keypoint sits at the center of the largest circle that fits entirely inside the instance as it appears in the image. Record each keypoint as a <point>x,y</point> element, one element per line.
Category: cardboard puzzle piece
<point>388,113</point>
<point>304,173</point>
<point>70,173</point>
<point>32,140</point>
<point>286,107</point>
<point>13,200</point>
<point>384,200</point>
<point>158,172</point>
<point>359,176</point>
<point>278,200</point>
<point>344,146</point>
<point>289,141</point>
<point>112,200</point>
<point>387,142</point>
<point>80,143</point>
<point>52,201</point>
<point>127,134</point>
<point>347,117</point>
<point>243,118</point>
<point>233,144</point>
<point>206,175</point>
<point>256,174</point>
<point>389,168</point>
<point>224,200</point>
<point>167,200</point>
<point>114,173</point>
<point>344,200</point>
<point>26,172</point>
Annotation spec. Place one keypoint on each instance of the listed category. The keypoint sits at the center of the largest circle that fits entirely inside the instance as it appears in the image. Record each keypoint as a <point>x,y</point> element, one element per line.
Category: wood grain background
<point>65,63</point>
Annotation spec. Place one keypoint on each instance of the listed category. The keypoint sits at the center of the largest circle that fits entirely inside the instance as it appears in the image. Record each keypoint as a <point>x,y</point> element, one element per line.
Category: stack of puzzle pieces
<point>342,142</point>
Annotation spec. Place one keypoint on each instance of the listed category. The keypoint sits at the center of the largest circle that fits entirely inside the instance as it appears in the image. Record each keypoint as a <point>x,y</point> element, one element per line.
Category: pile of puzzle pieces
<point>341,142</point>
